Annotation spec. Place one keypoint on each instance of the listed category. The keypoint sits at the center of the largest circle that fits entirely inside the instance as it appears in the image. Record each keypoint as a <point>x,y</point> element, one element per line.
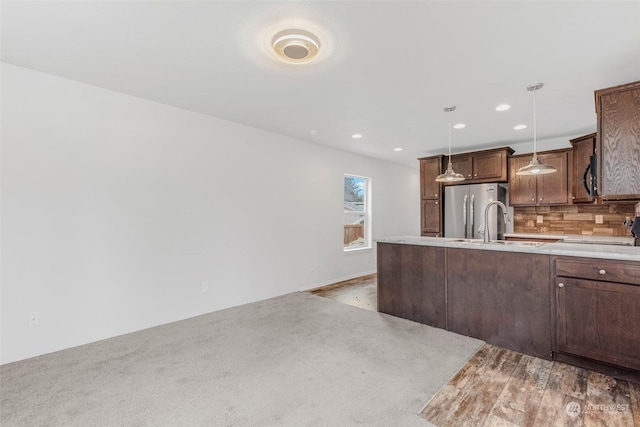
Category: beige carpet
<point>295,360</point>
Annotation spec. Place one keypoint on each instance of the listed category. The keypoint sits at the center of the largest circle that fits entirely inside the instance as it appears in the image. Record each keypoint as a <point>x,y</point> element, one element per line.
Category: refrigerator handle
<point>464,217</point>
<point>471,217</point>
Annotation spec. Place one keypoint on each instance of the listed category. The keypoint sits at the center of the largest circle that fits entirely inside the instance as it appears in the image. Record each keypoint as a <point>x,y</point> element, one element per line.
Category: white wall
<point>115,210</point>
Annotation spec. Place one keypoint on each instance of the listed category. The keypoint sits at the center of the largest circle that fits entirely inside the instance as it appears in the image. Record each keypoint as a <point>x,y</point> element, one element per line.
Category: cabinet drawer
<point>598,269</point>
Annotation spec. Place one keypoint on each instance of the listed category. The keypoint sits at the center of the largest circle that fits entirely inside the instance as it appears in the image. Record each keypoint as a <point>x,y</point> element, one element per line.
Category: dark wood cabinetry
<point>583,148</point>
<point>477,167</point>
<point>411,283</point>
<point>541,190</point>
<point>597,310</point>
<point>431,196</point>
<point>618,141</point>
<point>482,166</point>
<point>582,311</point>
<point>500,297</point>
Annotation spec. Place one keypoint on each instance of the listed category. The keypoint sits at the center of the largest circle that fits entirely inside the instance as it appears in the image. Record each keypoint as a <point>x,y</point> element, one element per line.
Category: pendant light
<point>535,167</point>
<point>450,175</point>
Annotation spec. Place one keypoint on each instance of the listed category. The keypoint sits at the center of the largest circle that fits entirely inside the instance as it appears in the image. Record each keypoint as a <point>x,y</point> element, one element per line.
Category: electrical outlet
<point>539,219</point>
<point>205,286</point>
<point>34,318</point>
<point>599,219</point>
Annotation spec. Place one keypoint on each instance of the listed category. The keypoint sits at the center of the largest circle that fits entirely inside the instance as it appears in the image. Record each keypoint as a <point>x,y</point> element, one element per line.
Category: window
<point>357,216</point>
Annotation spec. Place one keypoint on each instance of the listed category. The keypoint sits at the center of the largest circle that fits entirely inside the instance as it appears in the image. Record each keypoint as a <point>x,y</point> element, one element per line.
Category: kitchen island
<point>574,302</point>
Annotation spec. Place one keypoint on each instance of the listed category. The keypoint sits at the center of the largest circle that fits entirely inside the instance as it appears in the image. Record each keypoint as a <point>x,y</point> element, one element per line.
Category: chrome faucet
<point>487,236</point>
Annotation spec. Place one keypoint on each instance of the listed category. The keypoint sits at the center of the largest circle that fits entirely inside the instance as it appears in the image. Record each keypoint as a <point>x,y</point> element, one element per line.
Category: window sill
<point>351,250</point>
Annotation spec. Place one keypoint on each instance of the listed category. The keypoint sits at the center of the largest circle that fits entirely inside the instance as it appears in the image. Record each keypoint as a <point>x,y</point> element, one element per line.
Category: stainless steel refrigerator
<point>464,211</point>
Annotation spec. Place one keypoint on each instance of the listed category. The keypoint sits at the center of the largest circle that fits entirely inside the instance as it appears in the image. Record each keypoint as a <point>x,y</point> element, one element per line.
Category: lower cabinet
<point>583,311</point>
<point>597,310</point>
<point>431,220</point>
<point>411,283</point>
<point>502,298</point>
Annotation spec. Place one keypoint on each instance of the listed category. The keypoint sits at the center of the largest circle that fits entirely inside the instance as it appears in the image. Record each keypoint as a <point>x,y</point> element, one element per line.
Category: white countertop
<point>576,238</point>
<point>589,250</point>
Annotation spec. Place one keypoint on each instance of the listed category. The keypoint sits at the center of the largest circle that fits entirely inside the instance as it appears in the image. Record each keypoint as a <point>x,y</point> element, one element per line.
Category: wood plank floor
<point>361,292</point>
<point>499,387</point>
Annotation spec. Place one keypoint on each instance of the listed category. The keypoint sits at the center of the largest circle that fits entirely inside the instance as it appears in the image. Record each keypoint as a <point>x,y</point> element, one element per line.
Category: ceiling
<point>387,68</point>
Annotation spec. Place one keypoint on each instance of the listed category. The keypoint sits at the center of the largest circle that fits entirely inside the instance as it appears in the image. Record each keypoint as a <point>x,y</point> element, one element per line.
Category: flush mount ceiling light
<point>295,46</point>
<point>459,126</point>
<point>535,167</point>
<point>356,136</point>
<point>450,175</point>
<point>503,107</point>
<point>520,127</point>
<point>397,149</point>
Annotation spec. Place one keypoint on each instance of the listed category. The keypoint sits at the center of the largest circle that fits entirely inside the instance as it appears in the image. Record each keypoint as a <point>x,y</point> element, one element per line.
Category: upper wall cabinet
<point>541,190</point>
<point>482,166</point>
<point>618,141</point>
<point>582,183</point>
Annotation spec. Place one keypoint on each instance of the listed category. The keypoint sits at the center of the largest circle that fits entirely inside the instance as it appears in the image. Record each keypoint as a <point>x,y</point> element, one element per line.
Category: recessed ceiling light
<point>295,46</point>
<point>503,107</point>
<point>397,149</point>
<point>520,127</point>
<point>459,126</point>
<point>356,136</point>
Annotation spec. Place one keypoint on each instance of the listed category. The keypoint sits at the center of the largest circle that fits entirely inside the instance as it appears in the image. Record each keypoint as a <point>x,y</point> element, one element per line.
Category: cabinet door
<point>411,283</point>
<point>583,148</point>
<point>463,164</point>
<point>489,165</point>
<point>598,320</point>
<point>522,188</point>
<point>500,297</point>
<point>429,170</point>
<point>619,133</point>
<point>553,188</point>
<point>431,213</point>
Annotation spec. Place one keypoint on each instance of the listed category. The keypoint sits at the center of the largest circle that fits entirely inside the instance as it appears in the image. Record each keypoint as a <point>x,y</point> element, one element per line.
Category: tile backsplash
<point>597,220</point>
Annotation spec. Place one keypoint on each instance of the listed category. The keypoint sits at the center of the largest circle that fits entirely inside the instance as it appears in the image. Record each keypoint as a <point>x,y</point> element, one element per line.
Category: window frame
<point>366,213</point>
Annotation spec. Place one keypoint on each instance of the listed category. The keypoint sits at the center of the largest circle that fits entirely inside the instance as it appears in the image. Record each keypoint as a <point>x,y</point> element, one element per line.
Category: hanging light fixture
<point>450,175</point>
<point>535,167</point>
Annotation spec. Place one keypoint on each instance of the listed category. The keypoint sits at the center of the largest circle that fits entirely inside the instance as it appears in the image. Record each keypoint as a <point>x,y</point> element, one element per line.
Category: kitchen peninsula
<point>573,302</point>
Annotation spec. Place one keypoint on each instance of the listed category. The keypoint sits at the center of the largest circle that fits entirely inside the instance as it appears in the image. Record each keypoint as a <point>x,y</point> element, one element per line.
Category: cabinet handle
<point>475,174</point>
<point>436,202</point>
<point>435,195</point>
<point>602,272</point>
<point>533,200</point>
<point>561,285</point>
<point>540,198</point>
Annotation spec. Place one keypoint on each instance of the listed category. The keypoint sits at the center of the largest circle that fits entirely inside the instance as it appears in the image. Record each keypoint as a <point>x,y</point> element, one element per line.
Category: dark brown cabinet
<point>411,283</point>
<point>500,297</point>
<point>541,190</point>
<point>482,166</point>
<point>618,141</point>
<point>431,196</point>
<point>597,310</point>
<point>431,218</point>
<point>583,148</point>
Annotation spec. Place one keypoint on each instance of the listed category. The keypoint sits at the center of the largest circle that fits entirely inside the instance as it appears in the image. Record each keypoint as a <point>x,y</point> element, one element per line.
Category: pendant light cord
<point>449,141</point>
<point>534,123</point>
